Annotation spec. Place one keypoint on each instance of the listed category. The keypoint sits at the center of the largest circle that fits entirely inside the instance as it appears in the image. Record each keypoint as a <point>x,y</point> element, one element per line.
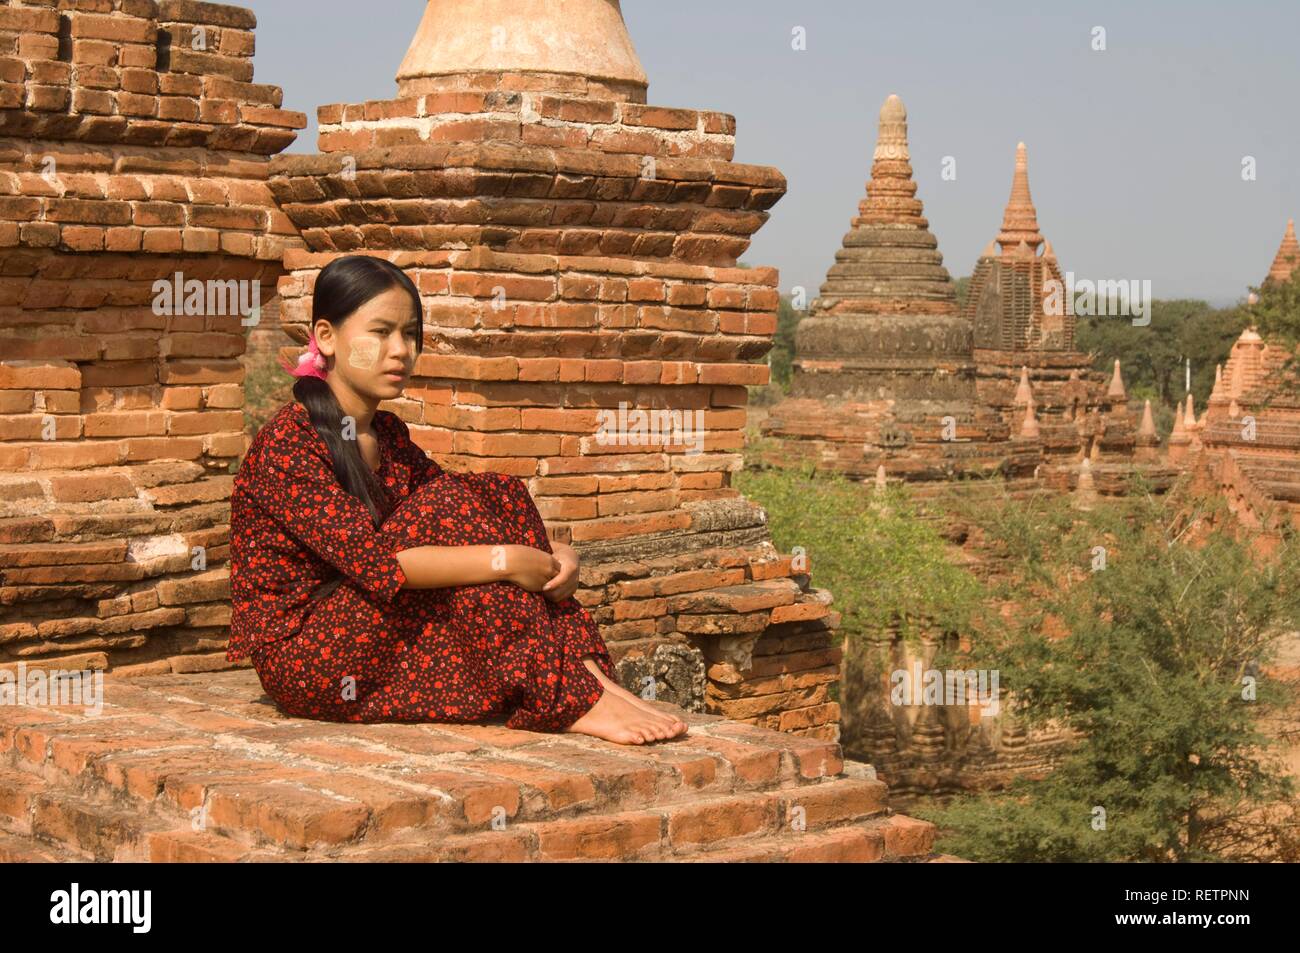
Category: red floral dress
<point>368,650</point>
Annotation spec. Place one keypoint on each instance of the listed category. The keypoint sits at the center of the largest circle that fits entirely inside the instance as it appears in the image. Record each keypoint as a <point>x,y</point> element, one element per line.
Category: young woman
<point>370,584</point>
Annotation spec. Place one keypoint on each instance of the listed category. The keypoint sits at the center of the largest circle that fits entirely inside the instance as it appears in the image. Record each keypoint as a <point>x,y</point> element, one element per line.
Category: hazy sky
<point>1135,152</point>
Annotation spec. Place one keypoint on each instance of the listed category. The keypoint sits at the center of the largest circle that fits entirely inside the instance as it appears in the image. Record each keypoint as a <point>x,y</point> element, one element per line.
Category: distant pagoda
<point>887,323</point>
<point>1246,447</point>
<point>1027,366</point>
<point>1009,286</point>
<point>884,373</point>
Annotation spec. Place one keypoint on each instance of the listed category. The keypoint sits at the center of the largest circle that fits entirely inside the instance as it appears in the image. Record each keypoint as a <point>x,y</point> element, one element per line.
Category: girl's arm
<point>437,567</point>
<point>295,484</point>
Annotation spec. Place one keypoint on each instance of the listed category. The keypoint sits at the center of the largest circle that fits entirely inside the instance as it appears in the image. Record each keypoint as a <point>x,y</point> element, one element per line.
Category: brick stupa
<point>1028,368</point>
<point>576,252</point>
<point>133,149</point>
<point>1249,437</point>
<point>884,373</point>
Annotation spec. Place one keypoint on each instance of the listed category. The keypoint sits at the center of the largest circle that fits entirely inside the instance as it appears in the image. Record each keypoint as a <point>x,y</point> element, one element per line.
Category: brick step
<point>667,833</point>
<point>92,830</point>
<point>17,791</point>
<point>40,822</point>
<point>889,839</point>
<point>199,768</point>
<point>173,772</point>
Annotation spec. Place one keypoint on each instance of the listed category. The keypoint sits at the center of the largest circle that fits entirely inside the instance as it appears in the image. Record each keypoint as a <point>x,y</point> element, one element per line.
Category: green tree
<point>1276,315</point>
<point>1153,357</point>
<point>781,357</point>
<point>1167,639</point>
<point>886,566</point>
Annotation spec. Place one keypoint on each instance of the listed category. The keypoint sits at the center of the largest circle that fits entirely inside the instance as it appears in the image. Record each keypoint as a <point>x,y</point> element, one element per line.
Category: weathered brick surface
<point>141,781</point>
<point>133,149</point>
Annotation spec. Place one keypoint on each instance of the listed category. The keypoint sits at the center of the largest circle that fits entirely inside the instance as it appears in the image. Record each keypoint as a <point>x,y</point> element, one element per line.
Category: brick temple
<point>587,329</point>
<point>1245,446</point>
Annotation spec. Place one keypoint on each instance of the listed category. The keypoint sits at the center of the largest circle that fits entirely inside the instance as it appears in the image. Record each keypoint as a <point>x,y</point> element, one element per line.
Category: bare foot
<point>621,722</point>
<point>613,686</point>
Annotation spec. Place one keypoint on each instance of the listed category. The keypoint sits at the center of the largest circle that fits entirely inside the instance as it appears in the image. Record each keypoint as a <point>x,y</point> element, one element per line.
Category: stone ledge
<point>204,768</point>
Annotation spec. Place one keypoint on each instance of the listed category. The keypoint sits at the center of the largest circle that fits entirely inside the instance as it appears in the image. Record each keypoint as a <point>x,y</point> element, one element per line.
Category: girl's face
<point>374,349</point>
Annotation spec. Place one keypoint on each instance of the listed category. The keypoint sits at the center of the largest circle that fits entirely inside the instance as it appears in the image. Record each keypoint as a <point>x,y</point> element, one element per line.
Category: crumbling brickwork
<point>133,159</point>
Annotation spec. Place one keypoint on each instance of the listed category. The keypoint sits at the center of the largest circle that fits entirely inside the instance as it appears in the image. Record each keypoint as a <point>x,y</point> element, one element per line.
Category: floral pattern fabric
<point>369,650</point>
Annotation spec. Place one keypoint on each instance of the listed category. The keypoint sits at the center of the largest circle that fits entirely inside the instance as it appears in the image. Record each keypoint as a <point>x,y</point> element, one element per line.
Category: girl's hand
<point>565,582</point>
<point>529,568</point>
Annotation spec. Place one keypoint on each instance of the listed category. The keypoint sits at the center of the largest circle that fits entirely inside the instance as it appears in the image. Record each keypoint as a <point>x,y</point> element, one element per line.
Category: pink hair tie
<point>310,364</point>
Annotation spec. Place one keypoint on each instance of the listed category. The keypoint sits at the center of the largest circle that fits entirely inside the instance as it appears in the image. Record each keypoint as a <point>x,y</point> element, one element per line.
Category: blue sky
<point>1135,152</point>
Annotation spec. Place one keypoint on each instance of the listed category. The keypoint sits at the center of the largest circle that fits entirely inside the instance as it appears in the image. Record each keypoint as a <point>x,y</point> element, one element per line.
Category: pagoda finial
<point>891,193</point>
<point>1086,488</point>
<point>1030,426</point>
<point>891,139</point>
<point>1147,429</point>
<point>1024,393</point>
<point>1116,390</point>
<point>1190,417</point>
<point>1287,257</point>
<point>1179,433</point>
<point>1020,220</point>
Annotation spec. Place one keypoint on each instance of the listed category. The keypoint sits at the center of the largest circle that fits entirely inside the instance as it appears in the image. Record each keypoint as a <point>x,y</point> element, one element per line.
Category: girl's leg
<point>354,661</point>
<point>520,520</point>
<point>535,664</point>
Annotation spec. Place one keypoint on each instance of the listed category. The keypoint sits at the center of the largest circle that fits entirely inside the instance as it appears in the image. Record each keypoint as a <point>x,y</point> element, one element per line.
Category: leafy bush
<point>1170,624</point>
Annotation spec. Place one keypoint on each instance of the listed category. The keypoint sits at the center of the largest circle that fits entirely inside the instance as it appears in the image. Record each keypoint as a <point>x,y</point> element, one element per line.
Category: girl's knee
<point>446,511</point>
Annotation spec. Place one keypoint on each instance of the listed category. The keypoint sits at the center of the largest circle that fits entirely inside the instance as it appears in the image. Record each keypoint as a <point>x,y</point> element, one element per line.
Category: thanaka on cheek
<point>364,354</point>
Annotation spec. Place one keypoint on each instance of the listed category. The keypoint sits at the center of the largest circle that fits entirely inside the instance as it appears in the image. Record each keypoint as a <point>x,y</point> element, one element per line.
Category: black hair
<point>343,286</point>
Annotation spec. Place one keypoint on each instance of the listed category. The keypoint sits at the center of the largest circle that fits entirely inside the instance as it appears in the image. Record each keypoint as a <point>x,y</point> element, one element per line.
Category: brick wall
<point>133,149</point>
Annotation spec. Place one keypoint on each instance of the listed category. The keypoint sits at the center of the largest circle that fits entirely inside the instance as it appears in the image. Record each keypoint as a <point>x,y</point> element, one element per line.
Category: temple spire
<point>1116,389</point>
<point>1029,428</point>
<point>891,193</point>
<point>1024,392</point>
<point>1086,487</point>
<point>1179,433</point>
<point>1020,220</point>
<point>1287,258</point>
<point>1148,426</point>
